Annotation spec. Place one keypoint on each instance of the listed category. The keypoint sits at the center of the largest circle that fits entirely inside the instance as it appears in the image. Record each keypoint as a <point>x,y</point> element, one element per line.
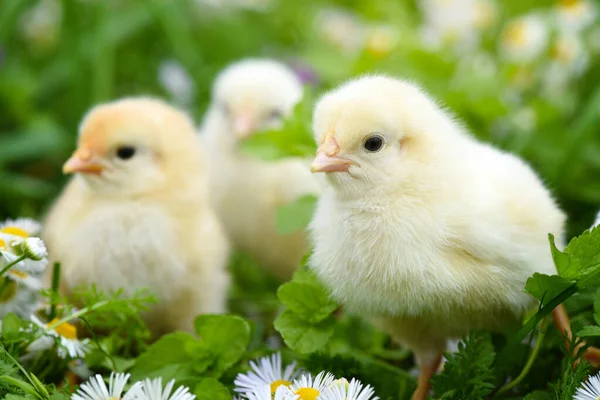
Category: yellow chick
<point>137,213</point>
<point>421,227</point>
<point>249,96</point>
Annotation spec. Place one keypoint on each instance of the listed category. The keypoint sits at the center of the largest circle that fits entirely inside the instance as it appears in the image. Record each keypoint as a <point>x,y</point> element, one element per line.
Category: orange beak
<point>327,159</point>
<point>243,125</point>
<point>82,162</point>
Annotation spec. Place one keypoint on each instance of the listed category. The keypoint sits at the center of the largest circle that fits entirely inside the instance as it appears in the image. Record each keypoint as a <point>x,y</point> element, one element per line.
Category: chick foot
<point>562,322</point>
<point>427,369</point>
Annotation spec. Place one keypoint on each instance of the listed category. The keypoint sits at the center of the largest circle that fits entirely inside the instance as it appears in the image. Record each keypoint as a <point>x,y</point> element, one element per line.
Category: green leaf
<point>546,287</point>
<point>301,336</point>
<point>597,307</point>
<point>174,356</point>
<point>10,326</point>
<point>296,215</point>
<point>211,389</point>
<point>309,302</point>
<point>590,330</point>
<point>586,249</point>
<point>226,336</point>
<point>566,265</point>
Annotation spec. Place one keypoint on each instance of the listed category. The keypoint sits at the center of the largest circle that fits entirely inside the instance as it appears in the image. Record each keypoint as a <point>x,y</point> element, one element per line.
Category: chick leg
<point>562,322</point>
<point>428,366</point>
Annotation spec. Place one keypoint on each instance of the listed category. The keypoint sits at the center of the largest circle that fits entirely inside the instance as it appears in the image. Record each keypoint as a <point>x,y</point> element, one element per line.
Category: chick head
<point>255,94</point>
<point>132,146</point>
<point>375,130</point>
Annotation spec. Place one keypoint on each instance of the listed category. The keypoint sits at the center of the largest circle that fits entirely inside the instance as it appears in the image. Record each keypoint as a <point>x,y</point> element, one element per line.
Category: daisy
<point>575,15</point>
<point>381,40</point>
<point>153,390</point>
<point>523,39</point>
<point>12,248</point>
<point>176,81</point>
<point>264,393</point>
<point>267,371</point>
<point>309,388</point>
<point>66,333</point>
<point>22,227</point>
<point>95,388</point>
<point>590,390</point>
<point>25,279</point>
<point>349,391</point>
<point>18,300</point>
<point>341,29</point>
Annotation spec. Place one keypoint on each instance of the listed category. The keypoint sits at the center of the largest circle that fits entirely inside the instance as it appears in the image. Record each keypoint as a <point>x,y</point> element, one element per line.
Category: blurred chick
<point>137,214</point>
<point>421,227</point>
<point>249,96</point>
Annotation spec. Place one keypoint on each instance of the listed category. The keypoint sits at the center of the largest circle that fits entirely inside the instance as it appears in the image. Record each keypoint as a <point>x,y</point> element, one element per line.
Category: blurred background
<point>521,74</point>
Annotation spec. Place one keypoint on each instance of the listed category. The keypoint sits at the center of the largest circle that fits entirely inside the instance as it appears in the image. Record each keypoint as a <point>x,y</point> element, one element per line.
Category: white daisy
<point>95,388</point>
<point>33,248</point>
<point>381,40</point>
<point>66,333</point>
<point>11,250</point>
<point>152,389</point>
<point>575,15</point>
<point>309,388</point>
<point>176,81</point>
<point>341,29</point>
<point>22,227</point>
<point>349,391</point>
<point>18,300</point>
<point>29,281</point>
<point>268,371</point>
<point>264,393</point>
<point>590,390</point>
<point>523,39</point>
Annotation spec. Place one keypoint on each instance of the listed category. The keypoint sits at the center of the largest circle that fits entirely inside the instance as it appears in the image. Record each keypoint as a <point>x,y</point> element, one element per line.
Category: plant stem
<point>12,264</point>
<point>55,282</point>
<point>24,386</point>
<point>530,361</point>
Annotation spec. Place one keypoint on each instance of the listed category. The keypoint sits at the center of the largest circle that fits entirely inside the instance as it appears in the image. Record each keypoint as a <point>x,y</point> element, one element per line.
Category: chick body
<point>433,235</point>
<point>247,191</point>
<point>143,225</point>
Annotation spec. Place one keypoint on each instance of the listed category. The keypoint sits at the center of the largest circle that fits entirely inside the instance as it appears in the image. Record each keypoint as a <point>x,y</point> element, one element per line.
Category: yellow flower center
<point>19,274</point>
<point>516,34</point>
<point>280,382</point>
<point>308,393</point>
<point>568,3</point>
<point>65,329</point>
<point>13,230</point>
<point>2,244</point>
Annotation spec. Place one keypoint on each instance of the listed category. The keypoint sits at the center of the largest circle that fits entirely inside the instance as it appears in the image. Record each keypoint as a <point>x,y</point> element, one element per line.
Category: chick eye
<point>275,114</point>
<point>125,152</point>
<point>373,143</point>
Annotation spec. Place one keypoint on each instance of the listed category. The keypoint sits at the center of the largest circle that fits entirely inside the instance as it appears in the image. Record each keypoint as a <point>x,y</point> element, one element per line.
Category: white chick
<point>137,213</point>
<point>421,227</point>
<point>249,96</point>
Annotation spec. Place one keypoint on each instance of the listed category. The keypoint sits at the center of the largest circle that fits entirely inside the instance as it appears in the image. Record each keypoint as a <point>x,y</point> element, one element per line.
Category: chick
<point>249,96</point>
<point>421,227</point>
<point>137,213</point>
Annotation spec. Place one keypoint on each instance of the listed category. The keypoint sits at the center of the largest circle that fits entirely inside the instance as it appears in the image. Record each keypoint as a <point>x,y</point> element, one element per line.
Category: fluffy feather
<point>432,235</point>
<point>145,221</point>
<point>248,96</point>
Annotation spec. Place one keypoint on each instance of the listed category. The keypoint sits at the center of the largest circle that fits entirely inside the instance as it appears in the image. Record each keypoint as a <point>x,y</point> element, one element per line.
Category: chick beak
<point>243,125</point>
<point>82,161</point>
<point>327,159</point>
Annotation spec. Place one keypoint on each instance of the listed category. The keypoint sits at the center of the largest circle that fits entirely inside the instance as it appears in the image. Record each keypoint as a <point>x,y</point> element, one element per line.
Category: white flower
<point>575,15</point>
<point>18,300</point>
<point>381,40</point>
<point>153,390</point>
<point>341,29</point>
<point>33,248</point>
<point>11,249</point>
<point>40,25</point>
<point>353,390</point>
<point>524,39</point>
<point>308,388</point>
<point>264,393</point>
<point>525,119</point>
<point>23,227</point>
<point>95,388</point>
<point>455,22</point>
<point>267,371</point>
<point>66,333</point>
<point>590,390</point>
<point>176,81</point>
<point>25,279</point>
<point>569,59</point>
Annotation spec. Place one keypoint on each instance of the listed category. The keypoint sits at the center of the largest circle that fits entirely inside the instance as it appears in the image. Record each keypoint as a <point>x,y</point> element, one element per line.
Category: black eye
<point>125,152</point>
<point>374,143</point>
<point>275,114</point>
